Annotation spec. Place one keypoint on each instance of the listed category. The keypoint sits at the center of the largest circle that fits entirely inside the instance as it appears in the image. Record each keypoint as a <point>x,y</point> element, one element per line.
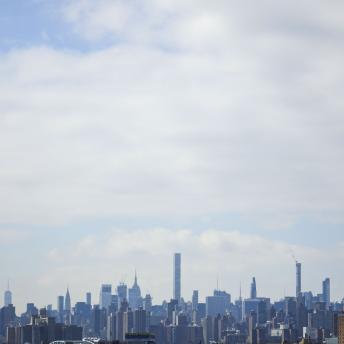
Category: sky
<point>130,130</point>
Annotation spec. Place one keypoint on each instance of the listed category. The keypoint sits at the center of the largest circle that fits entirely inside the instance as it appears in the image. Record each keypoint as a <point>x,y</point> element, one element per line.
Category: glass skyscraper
<point>177,276</point>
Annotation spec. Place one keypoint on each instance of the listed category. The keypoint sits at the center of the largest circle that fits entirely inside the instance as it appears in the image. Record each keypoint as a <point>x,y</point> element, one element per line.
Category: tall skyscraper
<point>298,279</point>
<point>89,298</point>
<point>177,277</point>
<point>140,321</point>
<point>147,303</point>
<point>67,307</point>
<point>195,300</point>
<point>134,294</point>
<point>326,291</point>
<point>252,323</point>
<point>215,305</point>
<point>105,296</point>
<point>253,289</point>
<point>8,296</point>
<point>122,291</point>
<point>60,307</point>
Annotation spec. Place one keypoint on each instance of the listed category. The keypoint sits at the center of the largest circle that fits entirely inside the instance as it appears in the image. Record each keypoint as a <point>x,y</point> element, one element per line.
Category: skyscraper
<point>122,291</point>
<point>88,298</point>
<point>195,300</point>
<point>326,291</point>
<point>105,296</point>
<point>60,307</point>
<point>253,294</point>
<point>298,279</point>
<point>7,296</point>
<point>140,321</point>
<point>252,323</point>
<point>147,303</point>
<point>134,295</point>
<point>177,277</point>
<point>68,308</point>
<point>215,305</point>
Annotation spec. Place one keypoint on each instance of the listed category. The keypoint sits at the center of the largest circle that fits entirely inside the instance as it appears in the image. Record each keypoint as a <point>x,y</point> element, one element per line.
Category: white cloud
<point>135,131</point>
<point>198,108</point>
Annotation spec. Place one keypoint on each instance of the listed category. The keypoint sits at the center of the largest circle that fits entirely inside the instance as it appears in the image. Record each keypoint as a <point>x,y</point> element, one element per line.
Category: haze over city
<point>133,130</point>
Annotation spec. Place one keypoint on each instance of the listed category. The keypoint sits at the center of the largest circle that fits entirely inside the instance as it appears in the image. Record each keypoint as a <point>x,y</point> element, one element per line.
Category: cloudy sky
<point>131,129</point>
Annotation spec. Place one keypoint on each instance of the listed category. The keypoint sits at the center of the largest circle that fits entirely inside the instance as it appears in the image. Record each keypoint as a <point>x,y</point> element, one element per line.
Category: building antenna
<point>293,255</point>
<point>240,292</point>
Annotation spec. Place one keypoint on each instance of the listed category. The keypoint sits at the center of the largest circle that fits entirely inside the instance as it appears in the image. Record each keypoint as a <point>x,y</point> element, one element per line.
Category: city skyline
<point>124,312</point>
<point>106,293</point>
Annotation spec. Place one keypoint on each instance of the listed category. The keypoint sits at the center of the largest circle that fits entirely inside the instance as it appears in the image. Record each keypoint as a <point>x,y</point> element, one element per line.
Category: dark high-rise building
<point>290,306</point>
<point>89,298</point>
<point>177,277</point>
<point>171,307</point>
<point>111,327</point>
<point>60,308</point>
<point>252,323</point>
<point>225,295</point>
<point>7,318</point>
<point>253,288</point>
<point>326,291</point>
<point>140,321</point>
<point>298,279</point>
<point>215,305</point>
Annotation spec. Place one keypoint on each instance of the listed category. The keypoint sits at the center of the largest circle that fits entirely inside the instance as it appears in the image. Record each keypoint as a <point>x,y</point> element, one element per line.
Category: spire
<point>240,292</point>
<point>67,300</point>
<point>135,280</point>
<point>253,288</point>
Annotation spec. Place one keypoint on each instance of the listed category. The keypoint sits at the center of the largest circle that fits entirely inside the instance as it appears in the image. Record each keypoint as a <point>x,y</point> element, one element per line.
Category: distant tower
<point>105,296</point>
<point>298,278</point>
<point>7,295</point>
<point>240,303</point>
<point>67,307</point>
<point>60,308</point>
<point>140,321</point>
<point>89,298</point>
<point>134,295</point>
<point>195,300</point>
<point>326,290</point>
<point>147,303</point>
<point>253,288</point>
<point>122,292</point>
<point>177,277</point>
